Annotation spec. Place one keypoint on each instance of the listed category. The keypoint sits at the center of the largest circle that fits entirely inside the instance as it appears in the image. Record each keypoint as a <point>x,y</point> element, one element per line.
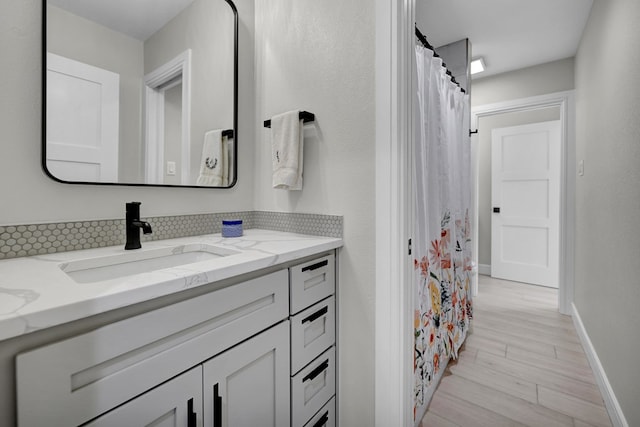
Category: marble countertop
<point>35,293</point>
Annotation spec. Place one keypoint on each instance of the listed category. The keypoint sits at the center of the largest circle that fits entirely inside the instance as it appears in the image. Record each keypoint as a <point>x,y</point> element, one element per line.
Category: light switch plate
<point>171,168</point>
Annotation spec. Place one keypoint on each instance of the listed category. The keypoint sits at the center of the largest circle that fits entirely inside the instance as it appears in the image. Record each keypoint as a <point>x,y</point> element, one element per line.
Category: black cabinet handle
<point>316,315</point>
<point>192,417</point>
<point>322,421</point>
<point>496,210</point>
<point>317,371</point>
<point>315,266</point>
<point>217,407</point>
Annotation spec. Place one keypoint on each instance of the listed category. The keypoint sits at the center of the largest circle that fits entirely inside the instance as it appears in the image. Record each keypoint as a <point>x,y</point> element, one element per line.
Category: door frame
<point>566,102</point>
<point>393,312</point>
<point>155,84</point>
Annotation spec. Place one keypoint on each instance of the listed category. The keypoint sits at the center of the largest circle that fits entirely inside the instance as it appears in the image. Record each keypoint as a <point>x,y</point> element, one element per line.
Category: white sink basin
<point>139,261</point>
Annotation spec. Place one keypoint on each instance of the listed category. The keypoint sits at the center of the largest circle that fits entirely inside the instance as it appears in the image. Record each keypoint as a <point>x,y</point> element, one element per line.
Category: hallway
<point>522,365</point>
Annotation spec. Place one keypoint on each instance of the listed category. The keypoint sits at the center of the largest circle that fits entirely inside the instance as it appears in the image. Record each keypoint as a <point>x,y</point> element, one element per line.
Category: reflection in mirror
<point>141,92</point>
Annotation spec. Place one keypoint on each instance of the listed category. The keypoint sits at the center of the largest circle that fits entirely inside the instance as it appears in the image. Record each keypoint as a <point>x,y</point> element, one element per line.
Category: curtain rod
<point>423,39</point>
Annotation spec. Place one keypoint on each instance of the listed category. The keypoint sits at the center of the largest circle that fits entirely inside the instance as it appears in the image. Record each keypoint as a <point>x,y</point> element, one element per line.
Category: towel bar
<point>305,116</point>
<point>228,133</point>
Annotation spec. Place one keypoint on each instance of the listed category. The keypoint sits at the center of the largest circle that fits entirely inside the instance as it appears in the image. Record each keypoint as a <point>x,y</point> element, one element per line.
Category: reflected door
<point>525,193</point>
<point>82,121</point>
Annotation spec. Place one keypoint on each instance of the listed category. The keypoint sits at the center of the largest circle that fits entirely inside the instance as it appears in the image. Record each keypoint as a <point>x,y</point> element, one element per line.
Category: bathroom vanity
<point>197,331</point>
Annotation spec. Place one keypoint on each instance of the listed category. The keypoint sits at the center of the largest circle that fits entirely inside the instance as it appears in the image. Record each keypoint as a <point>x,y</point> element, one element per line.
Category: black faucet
<point>134,225</point>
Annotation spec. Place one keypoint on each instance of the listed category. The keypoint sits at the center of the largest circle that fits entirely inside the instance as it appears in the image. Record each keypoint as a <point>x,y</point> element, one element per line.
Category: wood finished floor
<point>523,365</point>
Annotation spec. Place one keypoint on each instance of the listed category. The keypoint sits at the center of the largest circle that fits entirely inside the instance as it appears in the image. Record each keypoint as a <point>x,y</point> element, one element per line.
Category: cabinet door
<point>248,385</point>
<point>176,403</point>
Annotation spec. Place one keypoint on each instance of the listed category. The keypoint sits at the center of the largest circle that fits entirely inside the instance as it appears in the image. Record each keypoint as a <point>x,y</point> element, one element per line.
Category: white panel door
<point>525,193</point>
<point>82,121</point>
<point>248,385</point>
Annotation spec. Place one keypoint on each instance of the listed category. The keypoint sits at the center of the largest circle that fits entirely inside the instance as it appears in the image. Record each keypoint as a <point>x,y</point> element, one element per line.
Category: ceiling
<point>508,34</point>
<point>139,18</point>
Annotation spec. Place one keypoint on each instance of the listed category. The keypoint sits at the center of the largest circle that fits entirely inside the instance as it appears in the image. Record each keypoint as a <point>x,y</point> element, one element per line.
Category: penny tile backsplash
<point>35,239</point>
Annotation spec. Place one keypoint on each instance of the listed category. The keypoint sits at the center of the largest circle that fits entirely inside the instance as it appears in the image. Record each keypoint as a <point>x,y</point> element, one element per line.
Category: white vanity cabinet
<point>73,381</point>
<point>258,352</point>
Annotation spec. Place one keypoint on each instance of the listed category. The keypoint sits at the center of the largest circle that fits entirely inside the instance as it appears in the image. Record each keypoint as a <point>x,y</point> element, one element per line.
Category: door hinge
<point>409,246</point>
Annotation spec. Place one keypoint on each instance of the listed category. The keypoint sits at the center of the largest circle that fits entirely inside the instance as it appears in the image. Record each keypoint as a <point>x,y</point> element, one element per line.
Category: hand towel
<point>287,150</point>
<point>211,163</point>
<point>226,147</point>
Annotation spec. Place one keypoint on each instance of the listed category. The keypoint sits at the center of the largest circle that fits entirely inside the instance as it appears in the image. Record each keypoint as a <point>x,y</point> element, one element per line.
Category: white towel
<point>211,163</point>
<point>226,146</point>
<point>287,150</point>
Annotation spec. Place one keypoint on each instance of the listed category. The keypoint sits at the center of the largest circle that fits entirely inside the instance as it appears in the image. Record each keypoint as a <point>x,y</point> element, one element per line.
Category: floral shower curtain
<point>442,245</point>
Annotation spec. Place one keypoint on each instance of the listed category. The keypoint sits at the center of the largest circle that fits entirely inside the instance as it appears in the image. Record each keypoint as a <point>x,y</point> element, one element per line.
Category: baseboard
<point>484,269</point>
<point>610,401</point>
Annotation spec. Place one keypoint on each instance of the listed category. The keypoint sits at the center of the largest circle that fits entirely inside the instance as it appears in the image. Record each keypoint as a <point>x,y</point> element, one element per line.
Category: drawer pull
<point>315,266</point>
<point>316,371</point>
<point>322,421</point>
<point>316,315</point>
<point>192,417</point>
<point>217,407</point>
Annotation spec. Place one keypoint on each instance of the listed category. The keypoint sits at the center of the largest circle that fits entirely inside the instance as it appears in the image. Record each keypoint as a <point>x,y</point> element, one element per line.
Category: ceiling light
<point>477,65</point>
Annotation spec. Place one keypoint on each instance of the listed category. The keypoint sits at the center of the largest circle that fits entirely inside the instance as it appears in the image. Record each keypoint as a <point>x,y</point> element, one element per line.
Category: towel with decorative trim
<point>226,146</point>
<point>287,150</point>
<point>211,163</point>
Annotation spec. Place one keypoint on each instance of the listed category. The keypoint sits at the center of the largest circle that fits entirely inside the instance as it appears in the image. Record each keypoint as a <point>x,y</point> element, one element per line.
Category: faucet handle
<point>133,209</point>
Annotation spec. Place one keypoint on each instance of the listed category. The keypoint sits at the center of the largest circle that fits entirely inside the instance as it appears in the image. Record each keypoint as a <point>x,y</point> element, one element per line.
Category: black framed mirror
<point>140,92</point>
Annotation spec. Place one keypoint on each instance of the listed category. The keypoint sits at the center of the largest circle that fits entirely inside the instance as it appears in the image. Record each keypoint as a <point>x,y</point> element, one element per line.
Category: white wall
<point>319,56</point>
<point>28,196</point>
<point>607,271</point>
<point>542,79</point>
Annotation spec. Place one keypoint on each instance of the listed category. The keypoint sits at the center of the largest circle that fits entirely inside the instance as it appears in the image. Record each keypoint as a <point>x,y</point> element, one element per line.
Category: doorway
<point>167,104</point>
<point>546,107</point>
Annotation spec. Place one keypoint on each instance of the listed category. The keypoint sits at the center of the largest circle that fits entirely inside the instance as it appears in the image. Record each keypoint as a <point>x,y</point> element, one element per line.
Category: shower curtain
<point>442,245</point>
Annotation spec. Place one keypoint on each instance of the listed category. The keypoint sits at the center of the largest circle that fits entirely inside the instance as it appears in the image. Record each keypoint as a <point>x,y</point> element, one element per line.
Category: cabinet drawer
<point>312,282</point>
<point>312,387</point>
<point>326,417</point>
<point>75,380</point>
<point>312,332</point>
